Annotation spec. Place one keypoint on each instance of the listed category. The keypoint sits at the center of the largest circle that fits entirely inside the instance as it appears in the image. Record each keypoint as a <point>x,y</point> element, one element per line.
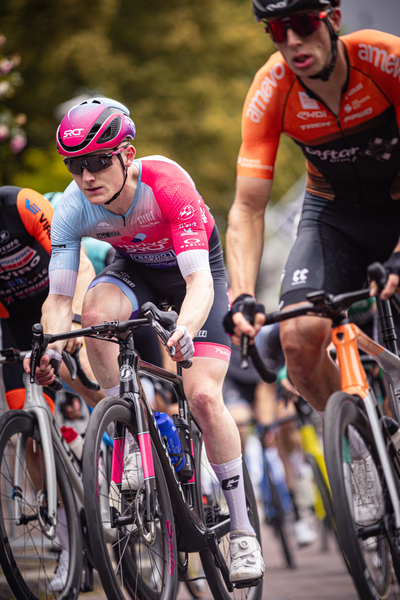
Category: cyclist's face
<point>307,56</point>
<point>99,187</point>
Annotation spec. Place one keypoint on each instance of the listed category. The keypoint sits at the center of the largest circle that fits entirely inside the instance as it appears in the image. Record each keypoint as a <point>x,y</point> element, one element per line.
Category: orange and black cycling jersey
<point>353,156</point>
<point>24,248</point>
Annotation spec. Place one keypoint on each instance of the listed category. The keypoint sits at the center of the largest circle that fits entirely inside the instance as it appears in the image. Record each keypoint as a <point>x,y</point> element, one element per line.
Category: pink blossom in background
<point>4,132</point>
<point>5,66</point>
<point>18,143</point>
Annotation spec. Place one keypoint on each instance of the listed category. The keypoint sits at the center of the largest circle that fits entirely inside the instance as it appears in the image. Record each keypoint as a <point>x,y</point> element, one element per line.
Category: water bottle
<point>168,431</point>
<point>74,441</point>
<point>182,427</point>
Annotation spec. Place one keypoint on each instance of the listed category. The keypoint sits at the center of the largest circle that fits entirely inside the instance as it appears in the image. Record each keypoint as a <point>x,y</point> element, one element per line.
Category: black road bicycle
<point>170,515</point>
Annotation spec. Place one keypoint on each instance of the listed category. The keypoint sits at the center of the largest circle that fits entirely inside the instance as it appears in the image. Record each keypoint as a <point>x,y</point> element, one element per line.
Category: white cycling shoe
<point>367,492</point>
<point>133,473</point>
<point>247,563</point>
<point>304,533</point>
<point>61,573</point>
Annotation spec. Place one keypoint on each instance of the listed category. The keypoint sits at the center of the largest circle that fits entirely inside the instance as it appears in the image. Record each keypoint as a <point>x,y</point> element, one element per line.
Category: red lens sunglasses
<point>303,24</point>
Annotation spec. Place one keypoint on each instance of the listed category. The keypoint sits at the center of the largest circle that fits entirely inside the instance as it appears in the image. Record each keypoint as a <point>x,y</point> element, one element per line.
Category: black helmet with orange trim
<point>272,9</point>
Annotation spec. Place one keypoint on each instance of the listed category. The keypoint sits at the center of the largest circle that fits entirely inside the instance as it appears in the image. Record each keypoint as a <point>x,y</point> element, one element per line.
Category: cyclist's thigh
<point>334,246</point>
<point>129,278</point>
<point>16,333</point>
<point>12,374</point>
<point>321,259</point>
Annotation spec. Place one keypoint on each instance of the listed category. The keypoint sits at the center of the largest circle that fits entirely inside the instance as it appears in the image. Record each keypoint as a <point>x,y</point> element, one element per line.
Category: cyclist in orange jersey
<point>338,99</point>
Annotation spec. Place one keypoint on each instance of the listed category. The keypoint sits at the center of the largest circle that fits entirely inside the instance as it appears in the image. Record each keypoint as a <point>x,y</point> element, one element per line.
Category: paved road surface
<point>320,575</point>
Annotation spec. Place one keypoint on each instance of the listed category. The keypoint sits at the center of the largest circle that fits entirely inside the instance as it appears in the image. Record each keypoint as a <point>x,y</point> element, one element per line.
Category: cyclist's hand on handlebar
<point>391,286</point>
<point>45,372</point>
<point>392,266</point>
<point>235,322</point>
<point>183,344</point>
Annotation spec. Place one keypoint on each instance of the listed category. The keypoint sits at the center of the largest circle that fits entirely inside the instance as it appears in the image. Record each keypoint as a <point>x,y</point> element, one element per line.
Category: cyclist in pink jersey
<point>167,251</point>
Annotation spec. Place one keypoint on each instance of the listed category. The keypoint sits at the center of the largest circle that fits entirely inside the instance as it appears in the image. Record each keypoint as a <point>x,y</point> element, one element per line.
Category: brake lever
<point>163,334</point>
<point>39,345</point>
<point>248,309</point>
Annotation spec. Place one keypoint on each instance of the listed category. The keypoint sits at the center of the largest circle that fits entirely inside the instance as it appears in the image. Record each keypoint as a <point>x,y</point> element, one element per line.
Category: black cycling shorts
<point>335,244</point>
<point>167,287</point>
<point>16,332</point>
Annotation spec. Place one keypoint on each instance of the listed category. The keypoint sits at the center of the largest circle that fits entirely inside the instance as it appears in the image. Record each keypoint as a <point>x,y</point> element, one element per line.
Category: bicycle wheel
<point>30,548</point>
<point>128,557</point>
<point>278,520</point>
<point>213,511</point>
<point>362,525</point>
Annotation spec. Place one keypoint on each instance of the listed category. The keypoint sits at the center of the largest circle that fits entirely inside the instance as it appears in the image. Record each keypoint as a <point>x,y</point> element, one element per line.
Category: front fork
<point>130,390</point>
<point>354,381</point>
<point>34,405</point>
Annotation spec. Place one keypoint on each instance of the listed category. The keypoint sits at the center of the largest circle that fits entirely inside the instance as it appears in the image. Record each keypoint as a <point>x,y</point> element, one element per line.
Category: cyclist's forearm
<point>244,246</point>
<point>86,274</point>
<point>245,235</point>
<point>57,317</point>
<point>198,301</point>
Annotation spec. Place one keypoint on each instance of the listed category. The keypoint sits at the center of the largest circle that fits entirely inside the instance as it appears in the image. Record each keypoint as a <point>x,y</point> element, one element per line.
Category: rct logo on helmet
<point>73,132</point>
<point>282,4</point>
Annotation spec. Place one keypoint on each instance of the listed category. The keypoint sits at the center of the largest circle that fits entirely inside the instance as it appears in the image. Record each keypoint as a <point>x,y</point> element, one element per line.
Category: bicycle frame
<point>347,339</point>
<point>192,537</point>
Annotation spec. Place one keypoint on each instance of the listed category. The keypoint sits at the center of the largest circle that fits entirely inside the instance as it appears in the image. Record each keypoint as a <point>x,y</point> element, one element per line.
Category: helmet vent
<point>111,132</point>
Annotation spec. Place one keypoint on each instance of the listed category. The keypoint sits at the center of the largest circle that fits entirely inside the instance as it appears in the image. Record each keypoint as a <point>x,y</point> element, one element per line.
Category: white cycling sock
<point>114,391</point>
<point>62,529</point>
<point>230,477</point>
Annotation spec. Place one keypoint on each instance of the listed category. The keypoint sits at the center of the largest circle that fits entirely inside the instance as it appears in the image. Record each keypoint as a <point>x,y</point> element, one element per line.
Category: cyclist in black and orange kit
<point>338,99</point>
<point>25,249</point>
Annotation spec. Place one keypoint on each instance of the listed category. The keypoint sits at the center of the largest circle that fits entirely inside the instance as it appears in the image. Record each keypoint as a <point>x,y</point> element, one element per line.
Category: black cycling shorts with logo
<point>335,244</point>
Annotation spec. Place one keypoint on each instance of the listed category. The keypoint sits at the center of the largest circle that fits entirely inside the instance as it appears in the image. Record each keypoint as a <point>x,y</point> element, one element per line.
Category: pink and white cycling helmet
<point>92,125</point>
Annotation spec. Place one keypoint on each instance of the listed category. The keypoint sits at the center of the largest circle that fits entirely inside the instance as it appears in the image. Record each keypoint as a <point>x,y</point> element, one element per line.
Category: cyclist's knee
<point>203,401</point>
<point>304,343</point>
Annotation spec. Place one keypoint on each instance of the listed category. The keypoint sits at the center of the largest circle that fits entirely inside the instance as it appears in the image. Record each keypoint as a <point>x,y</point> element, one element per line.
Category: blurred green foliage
<point>182,67</point>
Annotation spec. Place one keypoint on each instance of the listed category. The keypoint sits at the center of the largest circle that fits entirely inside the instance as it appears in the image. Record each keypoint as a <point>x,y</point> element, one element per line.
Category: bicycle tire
<point>369,558</point>
<point>27,555</point>
<point>327,502</point>
<point>215,509</point>
<point>278,521</point>
<point>128,563</point>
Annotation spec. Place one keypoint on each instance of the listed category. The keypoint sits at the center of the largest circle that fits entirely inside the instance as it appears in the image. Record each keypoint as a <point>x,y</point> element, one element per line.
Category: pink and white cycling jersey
<point>168,224</point>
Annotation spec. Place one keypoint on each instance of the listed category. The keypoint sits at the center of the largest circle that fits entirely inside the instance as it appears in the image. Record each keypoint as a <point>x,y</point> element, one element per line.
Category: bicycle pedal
<point>247,583</point>
<point>129,495</point>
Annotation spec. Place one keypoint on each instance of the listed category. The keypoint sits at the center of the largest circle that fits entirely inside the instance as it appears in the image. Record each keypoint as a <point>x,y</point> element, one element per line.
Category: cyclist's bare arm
<point>245,241</point>
<point>195,307</point>
<point>86,274</point>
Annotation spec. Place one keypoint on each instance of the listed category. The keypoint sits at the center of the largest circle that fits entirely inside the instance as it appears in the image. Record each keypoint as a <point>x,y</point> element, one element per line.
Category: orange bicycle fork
<point>348,339</point>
